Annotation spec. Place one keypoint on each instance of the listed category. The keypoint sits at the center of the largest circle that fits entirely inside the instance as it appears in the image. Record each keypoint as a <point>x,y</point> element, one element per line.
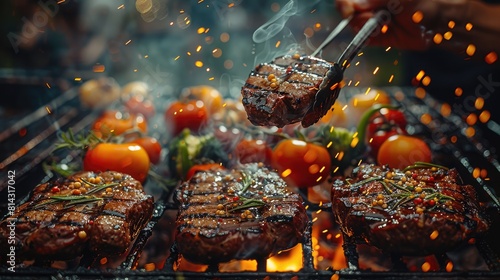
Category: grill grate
<point>64,113</point>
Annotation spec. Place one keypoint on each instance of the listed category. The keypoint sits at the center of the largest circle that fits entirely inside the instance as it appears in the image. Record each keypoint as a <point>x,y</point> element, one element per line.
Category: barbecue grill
<point>26,143</point>
<point>27,154</point>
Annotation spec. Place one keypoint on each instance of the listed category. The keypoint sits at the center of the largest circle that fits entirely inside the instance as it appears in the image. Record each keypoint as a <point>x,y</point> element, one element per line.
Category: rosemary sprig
<point>247,203</point>
<point>246,180</point>
<point>421,164</point>
<point>98,187</point>
<point>68,140</point>
<point>70,199</point>
<point>365,181</point>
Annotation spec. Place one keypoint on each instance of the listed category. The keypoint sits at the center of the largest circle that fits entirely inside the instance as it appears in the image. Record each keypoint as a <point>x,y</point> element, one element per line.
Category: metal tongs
<point>330,87</point>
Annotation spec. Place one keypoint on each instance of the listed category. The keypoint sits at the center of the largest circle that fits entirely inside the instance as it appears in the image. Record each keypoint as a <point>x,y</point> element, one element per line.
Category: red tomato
<point>192,114</point>
<point>115,122</point>
<point>137,104</point>
<point>251,150</point>
<point>152,147</point>
<point>127,158</point>
<point>386,119</point>
<point>300,163</point>
<point>378,138</point>
<point>202,167</point>
<point>399,151</point>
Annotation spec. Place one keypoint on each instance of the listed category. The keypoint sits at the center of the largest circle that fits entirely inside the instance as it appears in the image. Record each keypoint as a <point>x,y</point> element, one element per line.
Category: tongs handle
<point>360,39</point>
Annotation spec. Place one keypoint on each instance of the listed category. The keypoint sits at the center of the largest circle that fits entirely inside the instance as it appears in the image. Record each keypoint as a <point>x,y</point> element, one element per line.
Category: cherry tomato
<point>378,138</point>
<point>301,163</point>
<point>399,151</point>
<point>127,158</point>
<point>115,122</point>
<point>152,147</point>
<point>210,96</point>
<point>386,119</point>
<point>252,150</point>
<point>137,104</point>
<point>202,167</point>
<point>192,114</point>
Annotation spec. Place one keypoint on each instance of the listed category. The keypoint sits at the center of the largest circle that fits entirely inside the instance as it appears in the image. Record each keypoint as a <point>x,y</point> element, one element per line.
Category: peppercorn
<point>82,234</point>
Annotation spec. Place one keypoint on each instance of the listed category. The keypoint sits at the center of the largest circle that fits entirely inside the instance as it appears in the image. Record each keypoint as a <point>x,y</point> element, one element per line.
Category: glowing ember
<point>426,80</point>
<point>47,85</point>
<point>471,49</point>
<point>391,78</point>
<point>451,24</point>
<point>438,38</point>
<point>470,131</point>
<point>376,70</point>
<point>198,63</point>
<point>384,29</point>
<point>417,17</point>
<point>128,42</point>
<point>459,91</point>
<point>420,75</point>
<point>447,35</point>
<point>468,26</point>
<point>434,235</point>
<point>426,266</point>
<point>484,116</point>
<point>491,57</point>
<point>449,266</point>
<point>201,30</point>
<point>78,79</point>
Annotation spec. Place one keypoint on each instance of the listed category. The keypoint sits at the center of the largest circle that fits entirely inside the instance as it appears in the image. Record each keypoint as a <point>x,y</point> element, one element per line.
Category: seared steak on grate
<point>421,210</point>
<point>100,212</point>
<point>245,213</point>
<point>283,91</point>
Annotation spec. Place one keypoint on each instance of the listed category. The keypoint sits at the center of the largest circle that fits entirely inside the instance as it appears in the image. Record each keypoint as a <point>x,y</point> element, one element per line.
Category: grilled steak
<point>283,91</point>
<point>100,212</point>
<point>421,210</point>
<point>245,213</point>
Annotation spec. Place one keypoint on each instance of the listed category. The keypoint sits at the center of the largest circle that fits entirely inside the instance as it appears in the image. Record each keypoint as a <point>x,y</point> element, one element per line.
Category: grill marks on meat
<point>54,225</point>
<point>211,229</point>
<point>288,99</point>
<point>421,211</point>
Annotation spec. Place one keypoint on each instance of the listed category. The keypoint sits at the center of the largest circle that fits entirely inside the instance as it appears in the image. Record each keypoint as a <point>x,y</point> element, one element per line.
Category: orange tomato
<point>180,115</point>
<point>126,158</point>
<point>116,123</point>
<point>300,163</point>
<point>399,151</point>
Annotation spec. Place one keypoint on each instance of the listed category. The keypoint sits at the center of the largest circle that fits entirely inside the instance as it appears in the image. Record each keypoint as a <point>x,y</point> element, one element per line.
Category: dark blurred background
<point>48,46</point>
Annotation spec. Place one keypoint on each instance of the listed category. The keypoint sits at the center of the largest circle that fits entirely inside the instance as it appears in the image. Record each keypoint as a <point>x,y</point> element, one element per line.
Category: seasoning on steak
<point>420,210</point>
<point>244,213</point>
<point>283,91</point>
<point>100,212</point>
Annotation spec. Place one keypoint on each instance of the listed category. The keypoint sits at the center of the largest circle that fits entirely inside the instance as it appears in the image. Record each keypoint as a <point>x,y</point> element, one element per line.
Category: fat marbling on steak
<point>62,219</point>
<point>418,211</point>
<point>243,213</point>
<point>283,91</point>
